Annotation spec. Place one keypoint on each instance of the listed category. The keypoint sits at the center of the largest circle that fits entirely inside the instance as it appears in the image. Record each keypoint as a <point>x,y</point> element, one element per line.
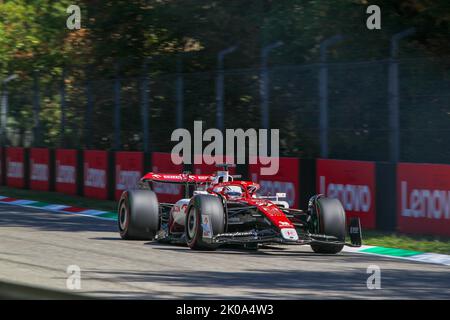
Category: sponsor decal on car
<point>284,224</point>
<point>206,226</point>
<point>289,234</point>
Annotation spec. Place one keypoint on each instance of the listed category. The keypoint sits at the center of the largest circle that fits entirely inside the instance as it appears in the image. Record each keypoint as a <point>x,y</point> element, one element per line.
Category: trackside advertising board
<point>15,167</point>
<point>423,198</point>
<point>66,171</point>
<point>39,169</point>
<point>353,183</point>
<point>129,169</point>
<point>1,166</point>
<point>285,181</point>
<point>167,192</point>
<point>96,174</point>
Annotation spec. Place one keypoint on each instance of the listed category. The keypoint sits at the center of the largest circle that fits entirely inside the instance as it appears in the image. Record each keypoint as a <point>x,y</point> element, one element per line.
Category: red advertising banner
<point>286,180</point>
<point>66,171</point>
<point>423,198</point>
<point>353,183</point>
<point>1,166</point>
<point>167,192</point>
<point>129,169</point>
<point>15,167</point>
<point>39,169</point>
<point>96,174</point>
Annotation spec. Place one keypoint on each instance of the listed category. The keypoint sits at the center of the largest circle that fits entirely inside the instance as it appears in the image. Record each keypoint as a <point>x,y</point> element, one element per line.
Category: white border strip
<point>52,208</point>
<point>426,257</point>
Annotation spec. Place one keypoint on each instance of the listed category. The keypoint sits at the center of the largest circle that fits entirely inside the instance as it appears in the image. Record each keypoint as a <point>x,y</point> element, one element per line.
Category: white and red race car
<point>218,209</point>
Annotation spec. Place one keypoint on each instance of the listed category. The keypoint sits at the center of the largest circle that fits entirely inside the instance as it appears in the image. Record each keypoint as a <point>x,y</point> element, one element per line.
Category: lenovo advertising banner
<point>66,171</point>
<point>423,198</point>
<point>285,181</point>
<point>96,174</point>
<point>15,167</point>
<point>1,166</point>
<point>167,192</point>
<point>39,169</point>
<point>129,169</point>
<point>353,183</point>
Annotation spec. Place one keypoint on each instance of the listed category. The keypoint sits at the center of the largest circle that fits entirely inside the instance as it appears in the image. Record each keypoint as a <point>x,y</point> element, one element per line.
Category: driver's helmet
<point>233,191</point>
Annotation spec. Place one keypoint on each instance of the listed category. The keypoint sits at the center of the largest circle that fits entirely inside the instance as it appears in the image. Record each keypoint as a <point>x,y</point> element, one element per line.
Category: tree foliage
<point>117,36</point>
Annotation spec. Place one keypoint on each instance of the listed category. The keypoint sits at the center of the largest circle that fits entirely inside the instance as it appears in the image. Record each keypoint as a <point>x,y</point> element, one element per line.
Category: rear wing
<point>186,179</point>
<point>181,178</point>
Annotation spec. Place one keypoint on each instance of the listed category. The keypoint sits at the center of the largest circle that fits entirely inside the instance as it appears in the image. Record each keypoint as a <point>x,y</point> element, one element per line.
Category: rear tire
<point>331,216</point>
<point>138,216</point>
<point>199,207</point>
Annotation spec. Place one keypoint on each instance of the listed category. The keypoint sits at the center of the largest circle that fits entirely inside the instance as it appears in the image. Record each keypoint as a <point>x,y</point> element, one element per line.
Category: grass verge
<point>373,238</point>
<point>409,242</point>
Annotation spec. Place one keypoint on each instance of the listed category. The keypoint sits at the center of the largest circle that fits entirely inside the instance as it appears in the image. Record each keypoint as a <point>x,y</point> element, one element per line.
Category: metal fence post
<point>117,87</point>
<point>219,86</point>
<point>323,94</point>
<point>89,110</point>
<point>264,84</point>
<point>4,108</point>
<point>63,109</point>
<point>145,106</point>
<point>4,113</point>
<point>179,93</point>
<point>36,109</point>
<point>394,117</point>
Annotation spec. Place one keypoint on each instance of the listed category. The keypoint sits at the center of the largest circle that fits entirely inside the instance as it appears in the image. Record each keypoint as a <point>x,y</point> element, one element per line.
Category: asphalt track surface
<point>36,247</point>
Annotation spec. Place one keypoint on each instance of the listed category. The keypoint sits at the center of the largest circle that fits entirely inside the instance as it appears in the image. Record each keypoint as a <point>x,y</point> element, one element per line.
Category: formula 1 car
<point>223,210</point>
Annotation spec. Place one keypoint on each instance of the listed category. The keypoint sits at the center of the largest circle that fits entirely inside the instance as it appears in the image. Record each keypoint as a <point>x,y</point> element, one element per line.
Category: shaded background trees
<point>117,37</point>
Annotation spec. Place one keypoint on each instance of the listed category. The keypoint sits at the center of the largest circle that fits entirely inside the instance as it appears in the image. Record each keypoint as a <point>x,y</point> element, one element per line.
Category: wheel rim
<point>192,224</point>
<point>123,217</point>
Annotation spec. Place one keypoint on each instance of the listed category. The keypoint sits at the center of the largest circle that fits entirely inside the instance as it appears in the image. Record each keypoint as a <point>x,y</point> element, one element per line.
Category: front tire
<point>331,220</point>
<point>198,235</point>
<point>138,216</point>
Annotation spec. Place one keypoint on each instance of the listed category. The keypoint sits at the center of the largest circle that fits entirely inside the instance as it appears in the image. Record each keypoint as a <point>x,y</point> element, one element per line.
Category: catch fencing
<point>350,113</point>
